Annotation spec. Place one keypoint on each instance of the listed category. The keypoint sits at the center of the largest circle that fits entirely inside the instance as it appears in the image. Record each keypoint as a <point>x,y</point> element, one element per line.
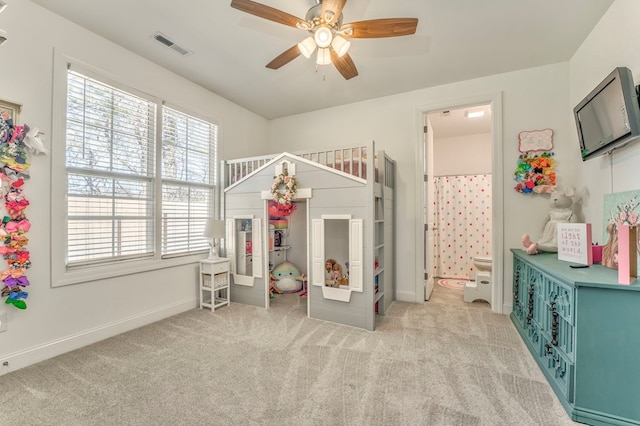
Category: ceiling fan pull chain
<point>324,75</point>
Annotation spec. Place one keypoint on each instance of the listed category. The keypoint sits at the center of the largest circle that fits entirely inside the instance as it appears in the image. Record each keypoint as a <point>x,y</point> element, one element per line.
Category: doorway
<point>287,255</point>
<point>457,188</point>
<point>453,142</point>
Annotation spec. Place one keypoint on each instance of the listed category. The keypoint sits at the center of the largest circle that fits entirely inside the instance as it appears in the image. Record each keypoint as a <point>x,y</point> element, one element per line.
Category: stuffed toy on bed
<point>286,278</point>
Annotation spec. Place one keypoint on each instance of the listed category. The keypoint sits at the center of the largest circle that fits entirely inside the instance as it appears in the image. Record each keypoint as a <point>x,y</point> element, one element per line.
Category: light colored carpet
<point>444,362</point>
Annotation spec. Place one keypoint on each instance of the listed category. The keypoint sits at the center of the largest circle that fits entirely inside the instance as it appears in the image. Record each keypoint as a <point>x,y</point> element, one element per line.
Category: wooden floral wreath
<point>16,143</point>
<point>283,188</point>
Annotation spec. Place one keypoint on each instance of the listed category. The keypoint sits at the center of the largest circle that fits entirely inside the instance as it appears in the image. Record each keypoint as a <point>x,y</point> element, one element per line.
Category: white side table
<point>214,283</point>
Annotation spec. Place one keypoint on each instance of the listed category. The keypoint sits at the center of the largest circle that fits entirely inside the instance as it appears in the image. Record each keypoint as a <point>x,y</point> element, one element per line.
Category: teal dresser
<point>583,329</point>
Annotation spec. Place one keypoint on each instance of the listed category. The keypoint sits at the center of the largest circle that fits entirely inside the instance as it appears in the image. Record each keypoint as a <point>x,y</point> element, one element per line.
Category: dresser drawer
<point>558,316</point>
<point>214,268</point>
<point>563,297</point>
<point>527,290</point>
<point>557,368</point>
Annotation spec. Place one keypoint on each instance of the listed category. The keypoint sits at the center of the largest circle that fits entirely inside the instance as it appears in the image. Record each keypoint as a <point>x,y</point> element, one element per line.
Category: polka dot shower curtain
<point>462,214</point>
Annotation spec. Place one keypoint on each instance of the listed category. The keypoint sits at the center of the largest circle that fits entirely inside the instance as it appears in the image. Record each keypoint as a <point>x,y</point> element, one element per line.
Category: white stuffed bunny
<point>560,212</point>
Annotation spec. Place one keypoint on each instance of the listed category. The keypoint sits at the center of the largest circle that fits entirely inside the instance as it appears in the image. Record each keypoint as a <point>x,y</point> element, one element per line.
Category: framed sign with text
<point>574,243</point>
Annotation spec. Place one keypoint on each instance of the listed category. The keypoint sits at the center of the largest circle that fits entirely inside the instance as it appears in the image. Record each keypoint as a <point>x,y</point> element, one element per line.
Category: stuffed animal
<point>561,212</point>
<point>286,278</point>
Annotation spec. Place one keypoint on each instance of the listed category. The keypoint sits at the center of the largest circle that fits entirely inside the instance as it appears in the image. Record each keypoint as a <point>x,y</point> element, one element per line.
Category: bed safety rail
<point>351,160</point>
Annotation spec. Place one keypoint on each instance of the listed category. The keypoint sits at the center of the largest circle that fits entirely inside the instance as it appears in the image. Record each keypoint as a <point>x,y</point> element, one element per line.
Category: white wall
<point>612,43</point>
<point>65,318</point>
<point>531,99</point>
<point>462,155</point>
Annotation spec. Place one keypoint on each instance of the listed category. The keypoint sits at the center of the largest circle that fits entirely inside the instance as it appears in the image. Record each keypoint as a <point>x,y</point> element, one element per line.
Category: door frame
<point>427,198</point>
<point>497,219</point>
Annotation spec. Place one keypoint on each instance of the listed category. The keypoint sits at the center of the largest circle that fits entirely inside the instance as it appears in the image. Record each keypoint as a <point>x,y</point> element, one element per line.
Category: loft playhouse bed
<point>342,212</point>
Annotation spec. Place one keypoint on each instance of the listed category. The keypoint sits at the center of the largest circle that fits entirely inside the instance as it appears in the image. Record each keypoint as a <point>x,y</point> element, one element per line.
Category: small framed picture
<point>574,243</point>
<point>10,110</point>
<point>535,140</point>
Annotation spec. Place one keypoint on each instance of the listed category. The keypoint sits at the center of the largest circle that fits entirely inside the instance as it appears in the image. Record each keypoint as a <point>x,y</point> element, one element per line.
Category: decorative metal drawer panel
<point>537,284</point>
<point>558,311</point>
<point>520,303</point>
<point>563,295</point>
<point>557,368</point>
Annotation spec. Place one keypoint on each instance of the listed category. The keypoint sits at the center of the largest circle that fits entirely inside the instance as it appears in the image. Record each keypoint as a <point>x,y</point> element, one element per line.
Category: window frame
<point>109,172</point>
<point>63,275</point>
<point>213,175</point>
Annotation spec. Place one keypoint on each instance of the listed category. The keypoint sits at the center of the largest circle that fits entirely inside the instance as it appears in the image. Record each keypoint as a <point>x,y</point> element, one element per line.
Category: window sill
<point>87,274</point>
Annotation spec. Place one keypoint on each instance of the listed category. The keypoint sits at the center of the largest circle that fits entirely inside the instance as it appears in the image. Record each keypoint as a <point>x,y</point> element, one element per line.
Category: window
<point>188,170</point>
<point>112,168</point>
<point>110,172</point>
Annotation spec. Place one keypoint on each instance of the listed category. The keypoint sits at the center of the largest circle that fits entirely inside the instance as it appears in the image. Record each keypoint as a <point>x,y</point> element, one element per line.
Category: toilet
<point>480,289</point>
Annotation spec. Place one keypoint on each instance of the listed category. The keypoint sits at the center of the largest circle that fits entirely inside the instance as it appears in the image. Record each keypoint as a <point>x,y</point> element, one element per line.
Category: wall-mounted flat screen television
<point>609,117</point>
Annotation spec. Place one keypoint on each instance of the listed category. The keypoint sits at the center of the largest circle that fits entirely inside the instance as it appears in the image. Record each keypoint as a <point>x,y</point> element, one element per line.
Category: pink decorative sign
<point>574,243</point>
<point>627,253</point>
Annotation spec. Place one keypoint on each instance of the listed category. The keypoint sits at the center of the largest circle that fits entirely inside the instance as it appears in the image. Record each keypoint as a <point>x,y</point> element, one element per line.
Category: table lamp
<point>214,230</point>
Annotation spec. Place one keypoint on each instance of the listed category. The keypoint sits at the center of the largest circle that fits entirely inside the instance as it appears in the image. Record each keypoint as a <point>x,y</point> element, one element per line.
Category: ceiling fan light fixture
<point>299,25</point>
<point>324,56</point>
<point>323,36</point>
<point>323,22</point>
<point>328,16</point>
<point>307,46</point>
<point>346,31</point>
<point>340,45</point>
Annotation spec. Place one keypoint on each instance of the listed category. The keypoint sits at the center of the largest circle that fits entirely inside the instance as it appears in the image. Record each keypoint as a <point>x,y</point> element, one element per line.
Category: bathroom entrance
<point>457,202</point>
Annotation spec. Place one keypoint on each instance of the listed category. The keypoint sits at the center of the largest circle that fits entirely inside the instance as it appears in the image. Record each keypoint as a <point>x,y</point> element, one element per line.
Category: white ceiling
<point>454,122</point>
<point>455,40</point>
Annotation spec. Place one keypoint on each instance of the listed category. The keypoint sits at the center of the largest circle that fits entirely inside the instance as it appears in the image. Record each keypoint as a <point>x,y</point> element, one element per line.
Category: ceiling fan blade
<point>344,64</point>
<point>377,28</point>
<point>267,12</point>
<point>334,7</point>
<point>285,57</point>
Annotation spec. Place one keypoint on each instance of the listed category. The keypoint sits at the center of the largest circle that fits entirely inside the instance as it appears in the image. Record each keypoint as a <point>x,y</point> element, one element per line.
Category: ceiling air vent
<point>161,38</point>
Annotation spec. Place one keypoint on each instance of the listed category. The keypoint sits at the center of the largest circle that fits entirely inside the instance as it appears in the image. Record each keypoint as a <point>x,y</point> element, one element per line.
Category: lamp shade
<point>323,37</point>
<point>3,4</point>
<point>307,46</point>
<point>324,57</point>
<point>340,45</point>
<point>214,229</point>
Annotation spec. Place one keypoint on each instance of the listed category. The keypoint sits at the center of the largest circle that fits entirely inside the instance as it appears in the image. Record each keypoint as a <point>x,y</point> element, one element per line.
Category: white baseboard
<point>18,360</point>
<point>405,296</point>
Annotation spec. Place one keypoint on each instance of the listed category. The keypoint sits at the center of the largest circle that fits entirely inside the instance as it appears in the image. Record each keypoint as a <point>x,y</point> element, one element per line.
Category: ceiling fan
<point>328,34</point>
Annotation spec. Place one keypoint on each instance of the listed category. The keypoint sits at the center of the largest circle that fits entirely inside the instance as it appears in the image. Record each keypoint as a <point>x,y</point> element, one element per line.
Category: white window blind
<point>189,170</point>
<point>110,137</point>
